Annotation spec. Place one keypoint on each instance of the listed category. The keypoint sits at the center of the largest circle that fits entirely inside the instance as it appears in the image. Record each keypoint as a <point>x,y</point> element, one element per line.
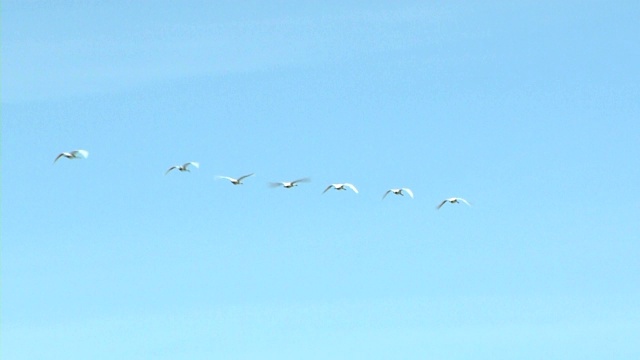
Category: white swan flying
<point>237,181</point>
<point>343,186</point>
<point>453,200</point>
<point>75,154</point>
<point>400,192</point>
<point>184,167</point>
<point>289,184</point>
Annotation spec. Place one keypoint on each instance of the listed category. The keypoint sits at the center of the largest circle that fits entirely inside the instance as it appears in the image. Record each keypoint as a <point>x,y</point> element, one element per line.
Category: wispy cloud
<point>65,65</point>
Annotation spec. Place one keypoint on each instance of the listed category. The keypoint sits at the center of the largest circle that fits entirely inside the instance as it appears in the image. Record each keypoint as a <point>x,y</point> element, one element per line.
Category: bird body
<point>400,192</point>
<point>453,200</point>
<point>237,181</point>
<point>75,154</point>
<point>184,167</point>
<point>343,186</point>
<point>289,184</point>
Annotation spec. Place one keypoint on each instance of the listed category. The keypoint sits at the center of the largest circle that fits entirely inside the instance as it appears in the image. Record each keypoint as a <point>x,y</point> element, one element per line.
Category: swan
<point>341,187</point>
<point>289,184</point>
<point>237,181</point>
<point>184,167</point>
<point>75,154</point>
<point>398,192</point>
<point>453,200</point>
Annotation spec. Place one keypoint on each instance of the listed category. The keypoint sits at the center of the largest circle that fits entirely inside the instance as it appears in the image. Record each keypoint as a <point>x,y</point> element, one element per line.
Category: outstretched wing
<point>171,168</point>
<point>275,184</point>
<point>464,201</point>
<point>59,156</point>
<point>226,178</point>
<point>245,176</point>
<point>195,164</point>
<point>442,203</point>
<point>385,194</point>
<point>408,191</point>
<point>327,189</point>
<point>351,187</point>
<point>300,180</point>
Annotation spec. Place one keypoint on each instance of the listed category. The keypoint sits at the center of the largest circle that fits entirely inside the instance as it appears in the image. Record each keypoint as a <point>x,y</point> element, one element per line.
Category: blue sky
<point>529,110</point>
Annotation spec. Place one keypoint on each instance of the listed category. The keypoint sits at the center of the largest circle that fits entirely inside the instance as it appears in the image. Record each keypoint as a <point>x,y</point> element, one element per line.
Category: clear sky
<point>530,110</point>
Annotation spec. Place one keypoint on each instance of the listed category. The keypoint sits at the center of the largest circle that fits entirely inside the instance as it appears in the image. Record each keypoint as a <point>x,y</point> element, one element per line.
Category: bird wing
<point>59,156</point>
<point>328,187</point>
<point>442,203</point>
<point>301,180</point>
<point>245,176</point>
<point>408,192</point>
<point>385,194</point>
<point>276,184</point>
<point>464,201</point>
<point>226,177</point>
<point>195,164</point>
<point>352,187</point>
<point>171,168</point>
<point>83,153</point>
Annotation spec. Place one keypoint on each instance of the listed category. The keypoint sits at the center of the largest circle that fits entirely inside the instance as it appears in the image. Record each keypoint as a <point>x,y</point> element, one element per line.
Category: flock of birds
<point>83,154</point>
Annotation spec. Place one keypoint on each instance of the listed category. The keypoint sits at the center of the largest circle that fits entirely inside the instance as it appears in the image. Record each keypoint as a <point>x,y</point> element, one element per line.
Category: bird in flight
<point>341,187</point>
<point>237,181</point>
<point>453,200</point>
<point>75,154</point>
<point>184,167</point>
<point>398,192</point>
<point>289,184</point>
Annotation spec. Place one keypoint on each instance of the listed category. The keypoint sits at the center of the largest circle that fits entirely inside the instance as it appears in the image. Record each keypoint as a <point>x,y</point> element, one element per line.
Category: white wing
<point>408,192</point>
<point>245,176</point>
<point>442,203</point>
<point>352,187</point>
<point>276,184</point>
<point>301,180</point>
<point>195,164</point>
<point>464,201</point>
<point>83,153</point>
<point>328,187</point>
<point>385,194</point>
<point>227,178</point>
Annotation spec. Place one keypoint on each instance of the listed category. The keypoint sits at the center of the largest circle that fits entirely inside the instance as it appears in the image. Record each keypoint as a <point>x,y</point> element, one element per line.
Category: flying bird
<point>75,154</point>
<point>453,200</point>
<point>289,184</point>
<point>341,187</point>
<point>237,181</point>
<point>398,192</point>
<point>184,167</point>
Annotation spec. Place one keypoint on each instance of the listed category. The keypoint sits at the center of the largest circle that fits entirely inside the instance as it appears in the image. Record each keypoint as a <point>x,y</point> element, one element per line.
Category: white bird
<point>75,154</point>
<point>453,200</point>
<point>237,181</point>
<point>398,192</point>
<point>341,187</point>
<point>289,184</point>
<point>184,167</point>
